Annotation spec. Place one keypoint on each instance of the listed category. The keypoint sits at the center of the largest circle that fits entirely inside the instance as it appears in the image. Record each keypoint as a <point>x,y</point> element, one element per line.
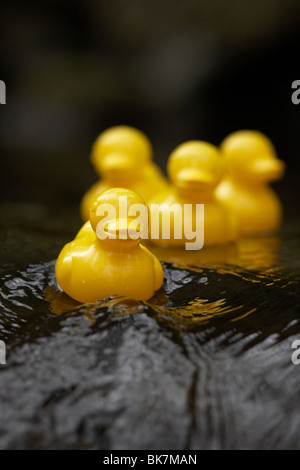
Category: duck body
<point>257,209</point>
<point>91,268</point>
<point>218,224</point>
<point>251,163</point>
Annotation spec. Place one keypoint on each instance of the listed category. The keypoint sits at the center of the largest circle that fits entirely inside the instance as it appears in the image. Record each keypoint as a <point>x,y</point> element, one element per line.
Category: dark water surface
<point>205,364</point>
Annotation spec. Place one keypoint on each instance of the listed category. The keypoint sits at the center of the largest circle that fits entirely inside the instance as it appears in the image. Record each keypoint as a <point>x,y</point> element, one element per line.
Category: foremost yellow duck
<point>122,156</point>
<point>194,168</point>
<point>105,259</point>
<point>252,164</point>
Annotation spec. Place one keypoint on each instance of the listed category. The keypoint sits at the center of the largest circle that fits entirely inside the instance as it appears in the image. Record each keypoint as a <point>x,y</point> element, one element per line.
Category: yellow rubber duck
<point>194,168</point>
<point>252,164</point>
<point>122,156</point>
<point>105,259</point>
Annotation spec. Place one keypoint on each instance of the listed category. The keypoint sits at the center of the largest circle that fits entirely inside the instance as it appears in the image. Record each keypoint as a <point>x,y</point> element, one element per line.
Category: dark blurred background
<point>176,70</point>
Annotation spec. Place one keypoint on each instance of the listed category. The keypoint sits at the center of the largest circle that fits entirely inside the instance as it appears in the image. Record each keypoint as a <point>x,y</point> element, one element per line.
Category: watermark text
<point>175,221</point>
<point>2,352</point>
<point>296,94</point>
<point>296,354</point>
<point>2,92</point>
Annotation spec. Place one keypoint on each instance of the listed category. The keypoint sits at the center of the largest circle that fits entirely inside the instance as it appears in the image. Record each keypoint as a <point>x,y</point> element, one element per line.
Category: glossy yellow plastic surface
<point>122,157</point>
<point>195,168</point>
<point>251,163</point>
<point>89,269</point>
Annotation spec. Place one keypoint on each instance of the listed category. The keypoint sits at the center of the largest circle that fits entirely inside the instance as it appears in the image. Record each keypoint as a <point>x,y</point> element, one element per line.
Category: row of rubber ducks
<point>231,181</point>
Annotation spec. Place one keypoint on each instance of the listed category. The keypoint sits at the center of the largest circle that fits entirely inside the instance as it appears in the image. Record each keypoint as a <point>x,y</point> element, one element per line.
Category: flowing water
<point>206,363</point>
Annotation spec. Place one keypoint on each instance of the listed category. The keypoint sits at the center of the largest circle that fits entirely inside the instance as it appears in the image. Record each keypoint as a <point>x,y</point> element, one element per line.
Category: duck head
<point>120,152</point>
<point>195,166</point>
<point>251,158</point>
<point>119,216</point>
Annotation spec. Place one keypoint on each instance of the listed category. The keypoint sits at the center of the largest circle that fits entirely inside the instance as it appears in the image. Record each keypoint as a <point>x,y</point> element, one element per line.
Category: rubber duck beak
<point>266,168</point>
<point>117,162</point>
<point>121,229</point>
<point>195,178</point>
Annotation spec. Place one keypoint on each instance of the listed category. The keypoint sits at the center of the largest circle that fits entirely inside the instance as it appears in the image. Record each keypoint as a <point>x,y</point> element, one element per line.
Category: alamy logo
<point>296,354</point>
<point>296,94</point>
<point>2,352</point>
<point>178,222</point>
<point>2,92</point>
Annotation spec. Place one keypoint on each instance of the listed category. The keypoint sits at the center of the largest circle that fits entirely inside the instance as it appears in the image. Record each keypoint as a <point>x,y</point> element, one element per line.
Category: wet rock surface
<point>205,364</point>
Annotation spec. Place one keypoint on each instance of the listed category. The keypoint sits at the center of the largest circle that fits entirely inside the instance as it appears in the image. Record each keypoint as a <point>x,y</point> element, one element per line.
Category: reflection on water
<point>254,260</point>
<point>230,281</point>
<point>248,254</point>
<point>197,310</point>
<point>228,259</point>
